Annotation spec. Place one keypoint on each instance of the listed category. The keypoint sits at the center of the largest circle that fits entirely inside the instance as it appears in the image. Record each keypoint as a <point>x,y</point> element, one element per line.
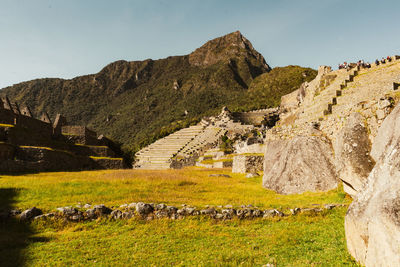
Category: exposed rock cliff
<point>373,220</point>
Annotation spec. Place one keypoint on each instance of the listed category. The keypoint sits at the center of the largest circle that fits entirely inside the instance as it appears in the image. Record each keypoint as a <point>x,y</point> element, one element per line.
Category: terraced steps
<point>159,154</point>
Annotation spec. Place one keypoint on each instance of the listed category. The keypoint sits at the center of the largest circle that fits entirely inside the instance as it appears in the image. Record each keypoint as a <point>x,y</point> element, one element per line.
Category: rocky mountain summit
<point>228,47</point>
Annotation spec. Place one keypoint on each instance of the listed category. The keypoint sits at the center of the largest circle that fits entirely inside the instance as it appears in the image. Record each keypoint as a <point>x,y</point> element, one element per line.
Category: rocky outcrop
<point>352,159</point>
<point>372,222</point>
<point>388,135</point>
<point>226,47</point>
<point>298,165</point>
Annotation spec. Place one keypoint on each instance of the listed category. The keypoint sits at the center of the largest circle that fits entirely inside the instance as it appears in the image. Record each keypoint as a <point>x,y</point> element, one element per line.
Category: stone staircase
<point>350,88</point>
<point>158,154</point>
<point>209,137</point>
<point>326,98</point>
<point>367,86</point>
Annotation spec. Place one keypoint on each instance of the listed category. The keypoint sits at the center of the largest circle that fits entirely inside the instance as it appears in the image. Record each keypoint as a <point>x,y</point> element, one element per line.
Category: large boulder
<point>298,165</point>
<point>372,222</point>
<point>352,159</point>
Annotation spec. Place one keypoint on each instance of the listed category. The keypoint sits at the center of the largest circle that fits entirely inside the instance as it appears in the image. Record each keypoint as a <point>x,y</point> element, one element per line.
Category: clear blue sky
<point>67,38</point>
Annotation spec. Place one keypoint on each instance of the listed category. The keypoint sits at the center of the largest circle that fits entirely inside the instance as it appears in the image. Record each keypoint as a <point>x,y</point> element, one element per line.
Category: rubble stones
<point>273,213</point>
<point>87,206</point>
<point>102,209</point>
<point>116,214</point>
<point>208,211</point>
<point>44,216</point>
<point>67,210</point>
<point>14,212</point>
<point>143,209</point>
<point>220,175</point>
<point>171,212</point>
<point>30,214</point>
<point>252,175</point>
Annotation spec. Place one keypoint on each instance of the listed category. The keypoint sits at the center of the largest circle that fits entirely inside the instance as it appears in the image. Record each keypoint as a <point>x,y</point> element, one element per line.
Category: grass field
<point>291,241</point>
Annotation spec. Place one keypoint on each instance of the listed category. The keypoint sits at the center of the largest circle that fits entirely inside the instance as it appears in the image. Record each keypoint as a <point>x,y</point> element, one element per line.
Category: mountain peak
<point>225,48</point>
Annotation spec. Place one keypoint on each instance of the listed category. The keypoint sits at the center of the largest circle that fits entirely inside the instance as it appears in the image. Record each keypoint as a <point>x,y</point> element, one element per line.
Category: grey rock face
<point>352,159</point>
<point>372,222</point>
<point>298,165</point>
<point>116,214</point>
<point>143,209</point>
<point>67,210</point>
<point>30,214</point>
<point>102,209</point>
<point>208,211</point>
<point>388,135</point>
<point>272,213</point>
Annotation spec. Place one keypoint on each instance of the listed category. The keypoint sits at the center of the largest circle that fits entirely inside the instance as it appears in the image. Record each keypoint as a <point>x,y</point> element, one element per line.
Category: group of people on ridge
<point>359,63</point>
<point>363,64</point>
<point>383,60</point>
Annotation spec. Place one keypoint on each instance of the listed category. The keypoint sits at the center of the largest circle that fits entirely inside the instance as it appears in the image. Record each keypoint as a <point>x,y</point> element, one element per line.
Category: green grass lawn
<point>191,186</point>
<point>301,240</point>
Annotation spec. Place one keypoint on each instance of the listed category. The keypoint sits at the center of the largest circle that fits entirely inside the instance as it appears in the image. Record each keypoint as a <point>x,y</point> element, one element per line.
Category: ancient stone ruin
<point>30,144</point>
<point>189,146</point>
<point>347,116</point>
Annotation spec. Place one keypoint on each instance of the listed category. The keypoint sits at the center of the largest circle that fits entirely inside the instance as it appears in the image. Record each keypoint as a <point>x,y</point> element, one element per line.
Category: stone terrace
<point>183,147</point>
<point>159,154</point>
<point>29,144</point>
<point>356,90</point>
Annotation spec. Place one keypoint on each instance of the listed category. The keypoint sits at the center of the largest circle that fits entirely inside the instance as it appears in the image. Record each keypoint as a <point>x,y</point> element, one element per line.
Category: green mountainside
<point>137,102</point>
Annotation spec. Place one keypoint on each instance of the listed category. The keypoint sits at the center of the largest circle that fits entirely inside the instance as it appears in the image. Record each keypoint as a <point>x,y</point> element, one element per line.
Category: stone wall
<point>79,135</point>
<point>29,144</point>
<point>40,127</point>
<point>290,101</point>
<point>246,163</point>
<point>251,145</point>
<point>257,117</point>
<point>39,159</point>
<point>7,116</point>
<point>6,151</point>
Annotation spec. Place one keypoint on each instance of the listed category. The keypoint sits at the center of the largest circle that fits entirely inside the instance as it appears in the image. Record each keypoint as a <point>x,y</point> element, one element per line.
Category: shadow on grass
<point>15,236</point>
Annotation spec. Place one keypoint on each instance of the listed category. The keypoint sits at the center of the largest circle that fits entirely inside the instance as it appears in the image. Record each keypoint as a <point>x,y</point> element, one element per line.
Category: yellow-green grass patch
<point>191,186</point>
<point>293,241</point>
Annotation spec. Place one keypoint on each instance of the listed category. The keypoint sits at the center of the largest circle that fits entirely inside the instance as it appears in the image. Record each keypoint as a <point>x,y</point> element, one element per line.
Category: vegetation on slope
<point>137,102</point>
<point>300,240</point>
